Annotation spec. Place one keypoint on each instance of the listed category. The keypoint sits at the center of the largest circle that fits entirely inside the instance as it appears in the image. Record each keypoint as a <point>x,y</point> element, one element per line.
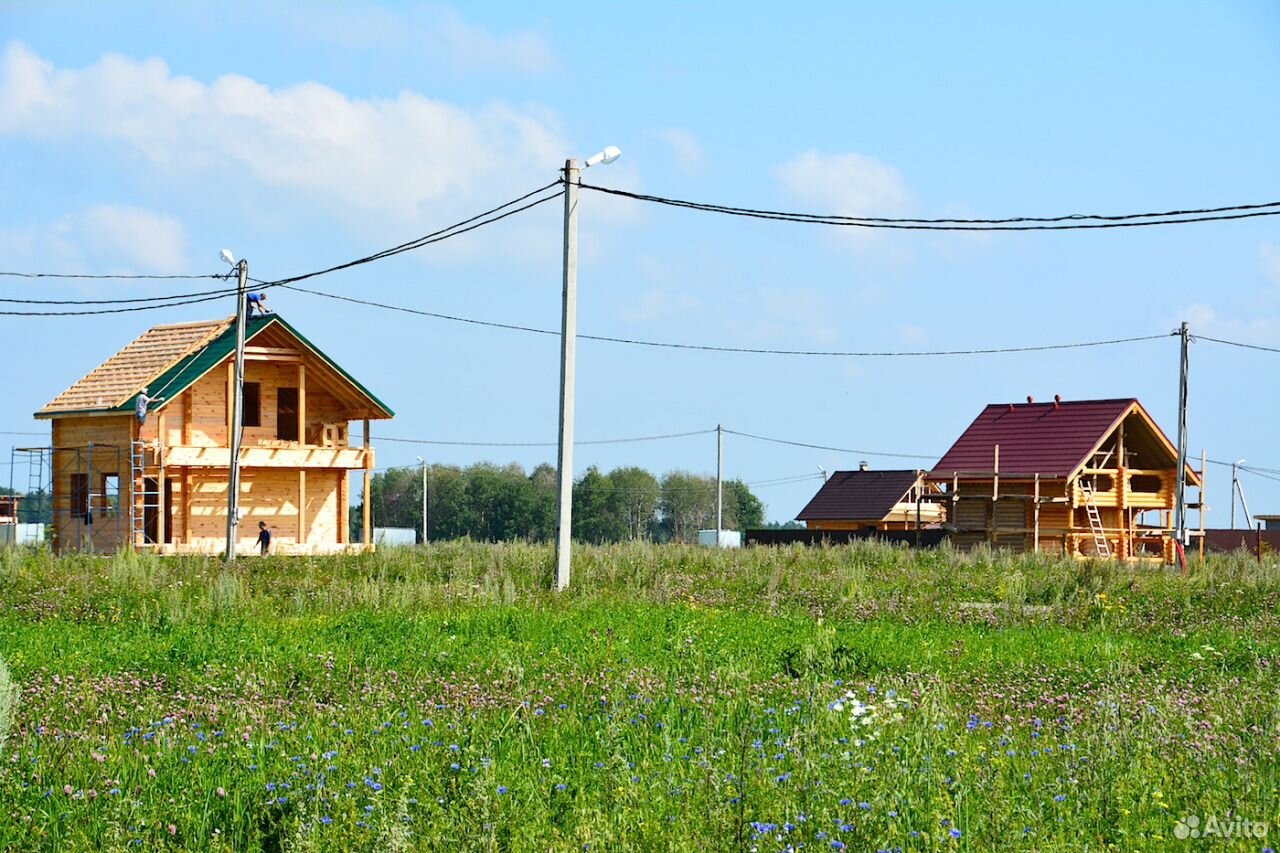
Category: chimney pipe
<point>863,466</point>
<point>1030,399</point>
<point>1057,400</point>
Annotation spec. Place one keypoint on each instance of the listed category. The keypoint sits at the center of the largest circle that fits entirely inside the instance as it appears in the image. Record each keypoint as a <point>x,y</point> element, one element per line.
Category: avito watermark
<point>1212,826</point>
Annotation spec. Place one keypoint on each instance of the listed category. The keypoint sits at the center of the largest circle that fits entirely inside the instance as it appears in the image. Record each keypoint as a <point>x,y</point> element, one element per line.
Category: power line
<point>541,443</point>
<point>458,228</point>
<point>469,224</point>
<point>158,297</point>
<point>131,309</point>
<point>714,348</point>
<point>827,447</point>
<point>109,276</point>
<point>1052,223</point>
<point>1236,344</point>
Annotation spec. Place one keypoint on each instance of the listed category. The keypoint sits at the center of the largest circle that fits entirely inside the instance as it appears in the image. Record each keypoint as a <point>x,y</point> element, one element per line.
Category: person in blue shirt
<point>264,538</point>
<point>258,302</point>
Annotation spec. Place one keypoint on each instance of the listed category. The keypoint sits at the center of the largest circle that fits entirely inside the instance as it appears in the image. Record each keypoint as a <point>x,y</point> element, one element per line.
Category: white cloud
<point>1269,255</point>
<point>435,34</point>
<point>849,184</point>
<point>146,241</point>
<point>104,237</point>
<point>686,148</point>
<point>408,159</point>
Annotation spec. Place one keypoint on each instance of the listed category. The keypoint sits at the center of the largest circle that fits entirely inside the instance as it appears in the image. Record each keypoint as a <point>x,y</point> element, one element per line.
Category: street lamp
<point>568,357</point>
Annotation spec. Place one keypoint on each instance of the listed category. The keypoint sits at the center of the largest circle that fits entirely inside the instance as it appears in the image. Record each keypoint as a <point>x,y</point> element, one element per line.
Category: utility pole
<point>568,357</point>
<point>237,406</point>
<point>1180,499</point>
<point>719,482</point>
<point>424,499</point>
<point>1235,480</point>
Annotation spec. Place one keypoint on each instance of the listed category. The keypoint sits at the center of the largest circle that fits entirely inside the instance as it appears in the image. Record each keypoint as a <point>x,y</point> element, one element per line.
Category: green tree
<point>634,501</point>
<point>594,519</point>
<point>745,508</point>
<point>688,504</point>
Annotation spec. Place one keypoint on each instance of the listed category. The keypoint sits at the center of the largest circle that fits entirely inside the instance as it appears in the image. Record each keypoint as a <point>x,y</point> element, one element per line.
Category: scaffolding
<point>34,506</point>
<point>86,513</point>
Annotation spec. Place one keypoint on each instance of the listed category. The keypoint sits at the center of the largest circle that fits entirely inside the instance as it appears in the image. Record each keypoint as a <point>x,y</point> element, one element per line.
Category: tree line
<point>488,502</point>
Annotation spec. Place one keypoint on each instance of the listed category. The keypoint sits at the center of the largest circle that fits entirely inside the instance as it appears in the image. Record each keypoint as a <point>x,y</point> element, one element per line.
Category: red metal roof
<point>1049,439</point>
<point>858,495</point>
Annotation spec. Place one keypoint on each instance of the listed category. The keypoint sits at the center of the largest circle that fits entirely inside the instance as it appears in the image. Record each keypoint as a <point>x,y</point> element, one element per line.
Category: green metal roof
<point>190,369</point>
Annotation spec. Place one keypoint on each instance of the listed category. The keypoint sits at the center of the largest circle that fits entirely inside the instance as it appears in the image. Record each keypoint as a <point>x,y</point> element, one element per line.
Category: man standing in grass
<point>264,538</point>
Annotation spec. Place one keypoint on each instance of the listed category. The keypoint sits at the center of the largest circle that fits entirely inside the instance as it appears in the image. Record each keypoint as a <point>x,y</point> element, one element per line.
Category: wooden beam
<point>344,507</point>
<point>187,488</point>
<point>302,506</point>
<point>187,414</point>
<point>367,538</point>
<point>1036,512</point>
<point>302,403</point>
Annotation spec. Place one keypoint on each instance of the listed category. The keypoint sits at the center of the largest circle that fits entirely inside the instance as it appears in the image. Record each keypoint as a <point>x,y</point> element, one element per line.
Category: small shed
<point>880,500</point>
<point>154,475</point>
<point>1084,478</point>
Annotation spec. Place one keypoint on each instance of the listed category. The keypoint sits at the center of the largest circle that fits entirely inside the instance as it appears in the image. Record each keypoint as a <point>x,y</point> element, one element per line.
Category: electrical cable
<point>469,224</point>
<point>1054,223</point>
<point>109,276</point>
<point>1235,343</point>
<point>542,443</point>
<point>166,297</point>
<point>713,348</point>
<point>827,447</point>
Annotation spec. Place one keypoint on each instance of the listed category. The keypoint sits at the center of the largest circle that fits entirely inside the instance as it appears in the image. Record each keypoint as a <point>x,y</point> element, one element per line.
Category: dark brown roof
<point>1049,439</point>
<point>858,495</point>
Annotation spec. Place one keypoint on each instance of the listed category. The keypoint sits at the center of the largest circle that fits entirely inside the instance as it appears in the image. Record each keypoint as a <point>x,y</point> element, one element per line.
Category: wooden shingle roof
<point>166,360</point>
<point>122,376</point>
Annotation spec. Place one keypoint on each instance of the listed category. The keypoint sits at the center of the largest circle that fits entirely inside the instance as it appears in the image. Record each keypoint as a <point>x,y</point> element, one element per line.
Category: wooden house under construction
<point>875,500</point>
<point>159,481</point>
<point>1084,478</point>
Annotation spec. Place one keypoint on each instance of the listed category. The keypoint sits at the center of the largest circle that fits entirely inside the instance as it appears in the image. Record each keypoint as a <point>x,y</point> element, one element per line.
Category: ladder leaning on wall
<point>1100,545</point>
<point>150,498</point>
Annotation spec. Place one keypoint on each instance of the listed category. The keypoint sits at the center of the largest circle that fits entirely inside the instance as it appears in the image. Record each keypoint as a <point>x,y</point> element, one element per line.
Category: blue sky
<point>144,137</point>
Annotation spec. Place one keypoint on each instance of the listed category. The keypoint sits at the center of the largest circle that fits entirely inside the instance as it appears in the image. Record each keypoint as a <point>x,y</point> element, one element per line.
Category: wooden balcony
<point>254,456</point>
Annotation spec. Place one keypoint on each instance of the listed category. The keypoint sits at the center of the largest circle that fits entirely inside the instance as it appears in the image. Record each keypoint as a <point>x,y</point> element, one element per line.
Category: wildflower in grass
<point>502,789</point>
<point>326,820</point>
<point>955,833</point>
<point>67,789</point>
<point>222,792</point>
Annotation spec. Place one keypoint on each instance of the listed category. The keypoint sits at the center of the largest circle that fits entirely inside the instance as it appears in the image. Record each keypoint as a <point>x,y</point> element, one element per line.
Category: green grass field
<point>860,698</point>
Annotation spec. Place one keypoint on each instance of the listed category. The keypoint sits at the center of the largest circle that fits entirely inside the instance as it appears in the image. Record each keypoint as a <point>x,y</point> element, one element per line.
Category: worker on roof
<point>143,402</point>
<point>257,301</point>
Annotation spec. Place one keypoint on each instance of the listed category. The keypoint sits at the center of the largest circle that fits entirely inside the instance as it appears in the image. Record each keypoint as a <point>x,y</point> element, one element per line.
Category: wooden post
<point>367,537</point>
<point>188,488</point>
<point>231,396</point>
<point>302,506</point>
<point>344,507</point>
<point>1035,503</point>
<point>161,520</point>
<point>302,404</point>
<point>188,412</point>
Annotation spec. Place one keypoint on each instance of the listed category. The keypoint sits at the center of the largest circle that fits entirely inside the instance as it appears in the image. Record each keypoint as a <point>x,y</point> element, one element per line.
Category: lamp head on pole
<point>227,258</point>
<point>607,156</point>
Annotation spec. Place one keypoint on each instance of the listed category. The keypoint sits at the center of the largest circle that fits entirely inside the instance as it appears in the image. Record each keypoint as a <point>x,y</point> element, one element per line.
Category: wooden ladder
<point>1100,545</point>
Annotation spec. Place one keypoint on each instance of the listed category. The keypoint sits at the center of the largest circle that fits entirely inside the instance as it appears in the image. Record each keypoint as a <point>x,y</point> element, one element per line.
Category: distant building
<point>879,500</point>
<point>133,474</point>
<point>1084,478</point>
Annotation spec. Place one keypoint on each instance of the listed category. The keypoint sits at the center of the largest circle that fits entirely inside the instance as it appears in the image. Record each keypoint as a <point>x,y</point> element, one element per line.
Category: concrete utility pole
<point>237,407</point>
<point>568,357</point>
<point>1180,499</point>
<point>424,499</point>
<point>719,482</point>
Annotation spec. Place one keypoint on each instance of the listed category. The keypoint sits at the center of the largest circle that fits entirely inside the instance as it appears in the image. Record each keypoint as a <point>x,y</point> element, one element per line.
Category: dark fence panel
<point>921,538</point>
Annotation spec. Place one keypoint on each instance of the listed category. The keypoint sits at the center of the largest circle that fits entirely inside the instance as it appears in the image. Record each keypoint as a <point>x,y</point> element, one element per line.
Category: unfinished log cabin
<point>1082,478</point>
<point>876,500</point>
<point>160,483</point>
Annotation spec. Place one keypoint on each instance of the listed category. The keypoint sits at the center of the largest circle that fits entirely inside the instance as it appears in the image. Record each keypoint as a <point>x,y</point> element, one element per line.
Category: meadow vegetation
<point>441,698</point>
